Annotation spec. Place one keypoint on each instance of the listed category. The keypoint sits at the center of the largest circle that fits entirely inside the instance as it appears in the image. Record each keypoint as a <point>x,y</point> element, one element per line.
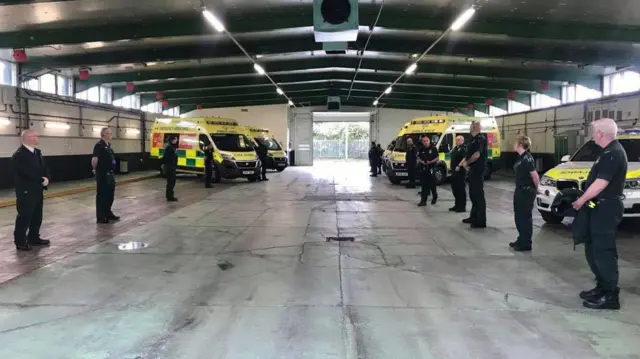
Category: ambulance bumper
<point>547,194</point>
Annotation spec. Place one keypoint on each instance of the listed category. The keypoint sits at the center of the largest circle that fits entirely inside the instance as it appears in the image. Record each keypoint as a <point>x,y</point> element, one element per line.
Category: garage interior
<point>322,261</point>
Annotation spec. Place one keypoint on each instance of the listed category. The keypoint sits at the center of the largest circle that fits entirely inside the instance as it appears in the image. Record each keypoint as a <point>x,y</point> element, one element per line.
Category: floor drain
<point>225,265</point>
<point>341,239</point>
<point>132,246</point>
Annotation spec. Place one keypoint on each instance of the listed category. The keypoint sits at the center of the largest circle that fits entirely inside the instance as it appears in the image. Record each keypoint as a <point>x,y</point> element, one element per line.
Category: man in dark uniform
<point>170,163</point>
<point>208,165</point>
<point>604,187</point>
<point>475,162</point>
<point>524,195</point>
<point>411,159</point>
<point>103,163</point>
<point>428,157</point>
<point>263,153</point>
<point>380,154</point>
<point>373,160</point>
<point>30,179</point>
<point>458,185</point>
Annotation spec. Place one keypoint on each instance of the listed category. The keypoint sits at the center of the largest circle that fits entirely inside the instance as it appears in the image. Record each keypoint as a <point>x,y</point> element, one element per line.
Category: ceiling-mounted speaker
<point>333,103</point>
<point>335,20</point>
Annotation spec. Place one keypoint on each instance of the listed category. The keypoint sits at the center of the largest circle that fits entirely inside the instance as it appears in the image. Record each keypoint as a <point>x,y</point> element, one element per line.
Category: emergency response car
<point>442,130</point>
<point>234,155</point>
<point>277,158</point>
<point>574,170</point>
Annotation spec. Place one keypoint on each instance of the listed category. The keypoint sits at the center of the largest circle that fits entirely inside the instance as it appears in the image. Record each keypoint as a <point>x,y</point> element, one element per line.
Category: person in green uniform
<point>170,164</point>
<point>458,185</point>
<point>524,195</point>
<point>605,188</point>
<point>475,162</point>
<point>428,157</point>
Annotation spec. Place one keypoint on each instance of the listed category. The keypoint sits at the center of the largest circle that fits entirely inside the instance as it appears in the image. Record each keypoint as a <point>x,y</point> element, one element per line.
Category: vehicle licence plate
<point>281,164</point>
<point>247,172</point>
<point>402,174</point>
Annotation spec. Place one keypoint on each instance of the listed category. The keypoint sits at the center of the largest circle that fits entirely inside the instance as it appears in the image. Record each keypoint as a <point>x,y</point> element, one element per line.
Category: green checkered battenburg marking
<point>191,162</point>
<point>161,152</point>
<point>181,153</point>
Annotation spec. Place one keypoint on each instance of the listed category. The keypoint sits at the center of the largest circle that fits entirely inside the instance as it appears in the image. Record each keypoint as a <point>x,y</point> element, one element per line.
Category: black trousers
<point>476,194</point>
<point>600,249</point>
<point>428,184</point>
<point>380,166</point>
<point>374,166</point>
<point>411,172</point>
<point>208,173</point>
<point>523,200</point>
<point>29,217</point>
<point>264,168</point>
<point>106,188</point>
<point>459,189</point>
<point>170,172</point>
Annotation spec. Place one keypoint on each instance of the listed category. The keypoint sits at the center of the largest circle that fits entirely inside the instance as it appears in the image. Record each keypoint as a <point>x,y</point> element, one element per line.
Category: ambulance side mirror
<point>565,158</point>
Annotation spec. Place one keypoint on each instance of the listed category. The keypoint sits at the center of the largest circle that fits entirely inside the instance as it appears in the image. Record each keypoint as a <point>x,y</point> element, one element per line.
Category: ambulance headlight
<point>632,183</point>
<point>548,181</point>
<point>227,156</point>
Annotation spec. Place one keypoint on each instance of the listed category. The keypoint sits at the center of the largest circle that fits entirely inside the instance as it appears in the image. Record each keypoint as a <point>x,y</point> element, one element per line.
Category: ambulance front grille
<point>250,164</point>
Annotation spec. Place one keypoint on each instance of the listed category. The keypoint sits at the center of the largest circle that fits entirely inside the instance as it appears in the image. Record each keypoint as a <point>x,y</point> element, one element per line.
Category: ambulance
<point>443,130</point>
<point>574,170</point>
<point>277,159</point>
<point>386,156</point>
<point>234,153</point>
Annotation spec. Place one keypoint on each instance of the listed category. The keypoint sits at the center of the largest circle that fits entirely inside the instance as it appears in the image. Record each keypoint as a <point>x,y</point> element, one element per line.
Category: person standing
<point>104,163</point>
<point>208,165</point>
<point>31,179</point>
<point>428,157</point>
<point>373,160</point>
<point>605,187</point>
<point>524,195</point>
<point>458,185</point>
<point>476,162</point>
<point>170,164</point>
<point>380,154</point>
<point>411,159</point>
<point>263,154</point>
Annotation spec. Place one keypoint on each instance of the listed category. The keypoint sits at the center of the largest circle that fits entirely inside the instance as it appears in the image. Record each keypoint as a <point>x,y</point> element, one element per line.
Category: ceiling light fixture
<point>388,90</point>
<point>4,122</point>
<point>375,103</point>
<point>213,20</point>
<point>152,63</point>
<point>411,69</point>
<point>57,125</point>
<point>462,19</point>
<point>279,91</point>
<point>414,55</point>
<point>259,69</point>
<point>290,103</point>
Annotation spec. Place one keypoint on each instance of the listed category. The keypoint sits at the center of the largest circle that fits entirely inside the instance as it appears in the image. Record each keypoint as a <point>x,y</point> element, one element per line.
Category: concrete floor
<point>245,271</point>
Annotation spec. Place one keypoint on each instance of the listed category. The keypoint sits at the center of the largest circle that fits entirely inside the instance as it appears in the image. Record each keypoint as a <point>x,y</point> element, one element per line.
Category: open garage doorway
<point>341,136</point>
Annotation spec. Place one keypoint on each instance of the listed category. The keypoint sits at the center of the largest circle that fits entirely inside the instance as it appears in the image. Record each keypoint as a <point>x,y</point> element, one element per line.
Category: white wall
<point>273,117</point>
<point>81,117</point>
<point>542,125</point>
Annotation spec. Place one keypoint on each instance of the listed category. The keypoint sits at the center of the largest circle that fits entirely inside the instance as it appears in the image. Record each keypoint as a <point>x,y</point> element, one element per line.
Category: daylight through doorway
<point>340,140</point>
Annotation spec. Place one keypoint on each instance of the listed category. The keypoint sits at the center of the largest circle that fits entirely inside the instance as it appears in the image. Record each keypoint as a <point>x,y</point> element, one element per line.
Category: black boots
<point>597,298</point>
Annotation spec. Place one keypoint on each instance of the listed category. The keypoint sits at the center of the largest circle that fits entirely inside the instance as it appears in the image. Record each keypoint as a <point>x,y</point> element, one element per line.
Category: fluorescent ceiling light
<point>258,56</point>
<point>213,20</point>
<point>462,19</point>
<point>133,131</point>
<point>152,63</point>
<point>414,55</point>
<point>4,122</point>
<point>290,103</point>
<point>154,80</point>
<point>279,91</point>
<point>375,103</point>
<point>171,79</point>
<point>57,125</point>
<point>411,69</point>
<point>259,69</point>
<point>93,45</point>
<point>388,90</point>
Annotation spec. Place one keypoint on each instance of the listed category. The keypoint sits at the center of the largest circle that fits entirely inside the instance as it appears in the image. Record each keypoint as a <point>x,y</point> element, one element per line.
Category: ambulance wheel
<point>488,171</point>
<point>252,178</point>
<point>280,169</point>
<point>440,174</point>
<point>551,218</point>
<point>395,180</point>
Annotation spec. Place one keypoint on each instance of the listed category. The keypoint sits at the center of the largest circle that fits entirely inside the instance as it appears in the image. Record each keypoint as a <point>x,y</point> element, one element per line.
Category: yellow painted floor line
<point>79,189</point>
